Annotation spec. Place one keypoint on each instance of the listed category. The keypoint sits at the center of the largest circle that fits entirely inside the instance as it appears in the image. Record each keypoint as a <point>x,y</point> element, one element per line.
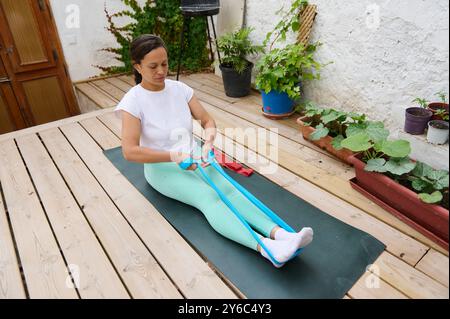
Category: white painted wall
<point>82,44</point>
<point>376,70</point>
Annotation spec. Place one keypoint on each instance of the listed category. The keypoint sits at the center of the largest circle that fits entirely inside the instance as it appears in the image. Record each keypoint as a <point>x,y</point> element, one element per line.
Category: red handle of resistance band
<point>232,165</point>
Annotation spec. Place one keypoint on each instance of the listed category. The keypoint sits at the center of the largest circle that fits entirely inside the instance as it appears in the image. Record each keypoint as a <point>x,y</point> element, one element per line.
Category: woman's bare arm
<point>131,133</point>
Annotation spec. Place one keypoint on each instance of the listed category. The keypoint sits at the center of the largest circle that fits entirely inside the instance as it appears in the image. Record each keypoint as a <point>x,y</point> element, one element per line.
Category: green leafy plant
<point>442,113</point>
<point>235,47</point>
<point>442,96</point>
<point>163,18</point>
<point>339,125</point>
<point>430,183</point>
<point>283,69</point>
<point>289,21</point>
<point>422,102</point>
<point>380,155</point>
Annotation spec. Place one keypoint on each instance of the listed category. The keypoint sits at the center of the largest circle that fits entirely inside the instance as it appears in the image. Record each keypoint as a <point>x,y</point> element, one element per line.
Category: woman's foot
<point>282,250</point>
<point>302,239</point>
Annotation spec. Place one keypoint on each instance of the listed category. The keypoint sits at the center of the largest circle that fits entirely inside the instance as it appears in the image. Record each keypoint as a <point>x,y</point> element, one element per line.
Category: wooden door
<point>34,62</point>
<point>10,116</point>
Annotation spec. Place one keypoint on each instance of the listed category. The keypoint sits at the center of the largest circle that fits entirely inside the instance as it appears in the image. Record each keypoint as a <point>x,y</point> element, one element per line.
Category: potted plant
<point>417,117</point>
<point>327,128</point>
<point>437,132</point>
<point>236,69</point>
<point>281,71</point>
<point>440,109</point>
<point>412,191</point>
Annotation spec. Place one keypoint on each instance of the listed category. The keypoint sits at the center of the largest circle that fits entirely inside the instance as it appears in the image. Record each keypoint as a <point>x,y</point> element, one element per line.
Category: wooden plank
<point>127,79</point>
<point>96,95</point>
<point>11,286</point>
<point>109,89</point>
<point>97,277</point>
<point>111,121</point>
<point>187,270</point>
<point>138,269</point>
<point>100,132</point>
<point>124,86</point>
<point>370,286</point>
<point>435,265</point>
<point>99,78</point>
<point>44,268</point>
<point>399,244</point>
<point>37,128</point>
<point>410,281</point>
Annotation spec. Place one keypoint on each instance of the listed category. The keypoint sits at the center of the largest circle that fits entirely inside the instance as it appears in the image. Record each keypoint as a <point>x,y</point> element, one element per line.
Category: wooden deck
<point>63,206</point>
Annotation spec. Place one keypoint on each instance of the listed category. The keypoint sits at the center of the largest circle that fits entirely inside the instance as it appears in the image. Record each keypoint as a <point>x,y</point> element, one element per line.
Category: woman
<point>155,114</point>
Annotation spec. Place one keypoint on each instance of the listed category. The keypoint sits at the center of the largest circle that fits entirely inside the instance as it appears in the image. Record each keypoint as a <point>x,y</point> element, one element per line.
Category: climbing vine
<point>162,18</point>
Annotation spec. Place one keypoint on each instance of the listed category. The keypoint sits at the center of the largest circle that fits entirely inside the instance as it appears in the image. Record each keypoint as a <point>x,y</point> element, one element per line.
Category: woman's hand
<point>179,157</point>
<point>207,146</point>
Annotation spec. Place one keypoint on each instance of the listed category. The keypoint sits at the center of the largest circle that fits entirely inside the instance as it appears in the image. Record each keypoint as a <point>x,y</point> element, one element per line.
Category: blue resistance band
<point>275,218</point>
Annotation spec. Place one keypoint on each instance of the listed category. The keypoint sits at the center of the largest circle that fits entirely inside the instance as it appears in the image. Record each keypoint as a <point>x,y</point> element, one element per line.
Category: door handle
<point>4,80</point>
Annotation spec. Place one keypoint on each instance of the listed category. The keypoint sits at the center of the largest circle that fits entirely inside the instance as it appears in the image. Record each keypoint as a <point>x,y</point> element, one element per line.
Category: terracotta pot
<point>398,199</point>
<point>324,142</point>
<point>433,107</point>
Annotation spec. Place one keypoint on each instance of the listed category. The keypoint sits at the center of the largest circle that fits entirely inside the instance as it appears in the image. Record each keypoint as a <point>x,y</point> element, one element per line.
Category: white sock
<point>281,250</point>
<point>302,238</point>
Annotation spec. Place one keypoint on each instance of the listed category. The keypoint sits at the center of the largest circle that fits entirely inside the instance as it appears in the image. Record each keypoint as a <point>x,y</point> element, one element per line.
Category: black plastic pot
<point>235,84</point>
<point>416,120</point>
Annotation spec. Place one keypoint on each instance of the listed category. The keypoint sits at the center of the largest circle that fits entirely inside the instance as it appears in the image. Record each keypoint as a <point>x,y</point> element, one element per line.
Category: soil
<point>440,126</point>
<point>419,112</point>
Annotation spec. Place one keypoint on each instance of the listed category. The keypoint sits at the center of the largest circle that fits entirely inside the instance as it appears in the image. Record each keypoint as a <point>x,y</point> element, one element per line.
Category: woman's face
<point>153,68</point>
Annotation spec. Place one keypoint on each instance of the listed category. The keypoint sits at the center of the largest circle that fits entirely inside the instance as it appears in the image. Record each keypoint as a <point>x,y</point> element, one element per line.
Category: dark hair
<point>139,48</point>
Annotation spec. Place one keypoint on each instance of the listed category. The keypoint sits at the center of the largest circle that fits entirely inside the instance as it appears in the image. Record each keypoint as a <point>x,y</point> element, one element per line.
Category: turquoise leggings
<point>190,188</point>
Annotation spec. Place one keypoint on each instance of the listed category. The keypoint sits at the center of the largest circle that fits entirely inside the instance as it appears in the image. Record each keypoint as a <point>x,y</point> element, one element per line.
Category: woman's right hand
<point>179,157</point>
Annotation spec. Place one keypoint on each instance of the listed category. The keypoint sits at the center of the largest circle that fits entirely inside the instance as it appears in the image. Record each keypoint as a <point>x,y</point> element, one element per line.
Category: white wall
<point>81,44</point>
<point>376,70</point>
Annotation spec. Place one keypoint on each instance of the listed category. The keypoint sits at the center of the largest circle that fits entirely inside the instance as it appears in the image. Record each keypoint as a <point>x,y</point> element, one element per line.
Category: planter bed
<point>430,220</point>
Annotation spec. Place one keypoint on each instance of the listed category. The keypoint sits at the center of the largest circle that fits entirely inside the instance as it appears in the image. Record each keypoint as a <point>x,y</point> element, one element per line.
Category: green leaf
<point>332,116</point>
<point>376,165</point>
<point>320,132</point>
<point>422,170</point>
<point>397,148</point>
<point>377,132</point>
<point>355,128</point>
<point>336,143</point>
<point>433,198</point>
<point>357,143</point>
<point>420,185</point>
<point>400,166</point>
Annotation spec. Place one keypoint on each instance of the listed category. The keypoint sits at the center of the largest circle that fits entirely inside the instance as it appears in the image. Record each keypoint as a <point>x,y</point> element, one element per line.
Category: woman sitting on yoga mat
<point>155,114</point>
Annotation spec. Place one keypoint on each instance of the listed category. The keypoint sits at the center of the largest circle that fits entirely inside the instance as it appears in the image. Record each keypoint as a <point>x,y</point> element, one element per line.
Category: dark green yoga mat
<point>327,268</point>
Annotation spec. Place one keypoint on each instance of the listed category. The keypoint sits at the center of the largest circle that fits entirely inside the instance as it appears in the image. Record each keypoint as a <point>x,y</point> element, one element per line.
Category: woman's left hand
<point>207,146</point>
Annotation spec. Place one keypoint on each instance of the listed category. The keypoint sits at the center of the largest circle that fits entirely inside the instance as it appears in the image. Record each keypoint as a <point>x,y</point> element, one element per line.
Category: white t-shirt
<point>166,119</point>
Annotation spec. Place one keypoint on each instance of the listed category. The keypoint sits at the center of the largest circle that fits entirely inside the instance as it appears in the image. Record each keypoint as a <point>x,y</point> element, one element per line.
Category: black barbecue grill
<point>198,8</point>
<point>195,8</point>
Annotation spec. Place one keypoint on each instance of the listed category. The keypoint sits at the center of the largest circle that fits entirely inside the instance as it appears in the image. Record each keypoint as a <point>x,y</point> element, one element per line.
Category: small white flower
<point>163,20</point>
